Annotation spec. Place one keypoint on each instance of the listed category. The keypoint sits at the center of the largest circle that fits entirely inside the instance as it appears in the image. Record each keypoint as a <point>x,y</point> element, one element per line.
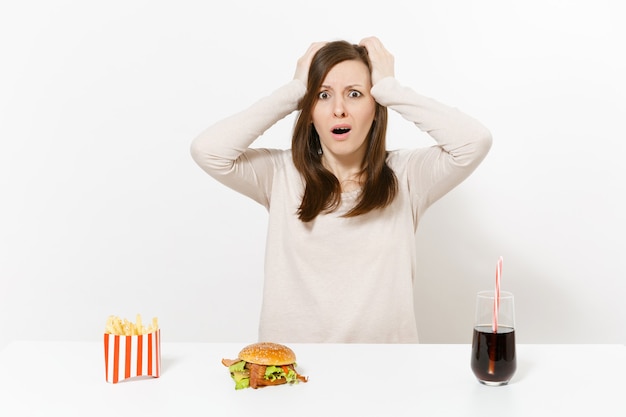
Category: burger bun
<point>267,353</point>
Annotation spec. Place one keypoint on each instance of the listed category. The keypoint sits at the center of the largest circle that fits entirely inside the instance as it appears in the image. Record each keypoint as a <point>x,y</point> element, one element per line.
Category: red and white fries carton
<point>131,356</point>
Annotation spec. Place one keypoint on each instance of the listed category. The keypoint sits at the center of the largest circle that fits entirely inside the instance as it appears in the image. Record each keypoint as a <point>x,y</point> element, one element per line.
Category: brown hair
<point>322,191</point>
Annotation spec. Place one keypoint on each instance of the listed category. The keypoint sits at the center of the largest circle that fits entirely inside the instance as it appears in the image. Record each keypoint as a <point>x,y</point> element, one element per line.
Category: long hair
<point>322,193</point>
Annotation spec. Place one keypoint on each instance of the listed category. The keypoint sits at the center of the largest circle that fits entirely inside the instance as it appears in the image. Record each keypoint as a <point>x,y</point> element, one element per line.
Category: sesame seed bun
<point>267,353</point>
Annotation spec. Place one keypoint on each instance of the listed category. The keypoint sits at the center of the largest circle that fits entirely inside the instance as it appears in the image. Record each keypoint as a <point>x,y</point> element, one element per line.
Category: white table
<point>68,378</point>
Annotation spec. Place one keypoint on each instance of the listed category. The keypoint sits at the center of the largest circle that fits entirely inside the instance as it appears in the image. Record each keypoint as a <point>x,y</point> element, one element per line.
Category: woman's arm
<point>462,141</point>
<point>223,150</point>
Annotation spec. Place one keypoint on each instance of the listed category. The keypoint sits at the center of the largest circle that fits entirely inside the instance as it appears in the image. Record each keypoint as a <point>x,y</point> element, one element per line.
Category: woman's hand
<point>381,59</point>
<point>302,68</point>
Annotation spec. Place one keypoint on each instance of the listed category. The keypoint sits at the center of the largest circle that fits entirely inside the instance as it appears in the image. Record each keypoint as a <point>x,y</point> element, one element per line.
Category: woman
<point>343,211</point>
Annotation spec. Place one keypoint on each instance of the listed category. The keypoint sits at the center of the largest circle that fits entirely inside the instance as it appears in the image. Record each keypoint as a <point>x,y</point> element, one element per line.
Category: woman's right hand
<point>302,67</point>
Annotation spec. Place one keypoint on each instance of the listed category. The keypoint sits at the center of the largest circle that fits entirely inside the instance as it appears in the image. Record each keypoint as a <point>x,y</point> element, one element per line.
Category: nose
<point>340,109</point>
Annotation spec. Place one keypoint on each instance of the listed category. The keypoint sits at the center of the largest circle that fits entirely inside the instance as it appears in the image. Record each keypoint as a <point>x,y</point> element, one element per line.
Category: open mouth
<point>341,130</point>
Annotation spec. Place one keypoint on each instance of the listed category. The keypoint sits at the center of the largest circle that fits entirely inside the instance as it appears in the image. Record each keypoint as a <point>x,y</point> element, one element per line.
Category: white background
<point>103,211</point>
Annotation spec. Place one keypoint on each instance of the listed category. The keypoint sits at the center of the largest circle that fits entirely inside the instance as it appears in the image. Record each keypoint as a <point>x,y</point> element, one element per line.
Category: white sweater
<point>334,279</point>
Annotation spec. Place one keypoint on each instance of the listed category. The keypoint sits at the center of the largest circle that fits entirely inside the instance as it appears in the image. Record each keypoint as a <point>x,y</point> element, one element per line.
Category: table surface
<point>68,378</point>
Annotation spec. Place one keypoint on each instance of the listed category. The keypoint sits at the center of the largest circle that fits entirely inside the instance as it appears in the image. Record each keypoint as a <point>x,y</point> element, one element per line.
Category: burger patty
<point>257,376</point>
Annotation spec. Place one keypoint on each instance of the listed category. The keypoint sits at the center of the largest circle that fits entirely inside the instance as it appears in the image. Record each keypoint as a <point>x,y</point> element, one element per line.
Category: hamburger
<point>263,364</point>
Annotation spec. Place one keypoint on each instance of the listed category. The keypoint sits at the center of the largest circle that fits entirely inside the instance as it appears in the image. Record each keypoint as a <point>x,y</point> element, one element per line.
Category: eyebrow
<point>348,87</point>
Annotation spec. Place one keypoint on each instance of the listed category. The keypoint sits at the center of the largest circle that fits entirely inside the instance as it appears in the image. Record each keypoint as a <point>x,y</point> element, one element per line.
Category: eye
<point>323,95</point>
<point>354,94</point>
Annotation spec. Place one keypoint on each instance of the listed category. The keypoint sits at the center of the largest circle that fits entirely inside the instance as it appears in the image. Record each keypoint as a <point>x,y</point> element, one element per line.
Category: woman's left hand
<point>382,60</point>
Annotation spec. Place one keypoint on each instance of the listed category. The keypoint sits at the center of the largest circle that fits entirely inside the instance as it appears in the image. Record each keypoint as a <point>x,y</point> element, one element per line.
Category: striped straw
<point>496,298</point>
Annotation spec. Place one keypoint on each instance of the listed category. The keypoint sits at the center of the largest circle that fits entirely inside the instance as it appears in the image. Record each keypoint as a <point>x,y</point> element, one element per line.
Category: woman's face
<point>344,111</point>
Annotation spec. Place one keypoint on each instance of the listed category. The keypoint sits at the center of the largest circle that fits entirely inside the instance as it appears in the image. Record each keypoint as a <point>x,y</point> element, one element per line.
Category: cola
<point>493,355</point>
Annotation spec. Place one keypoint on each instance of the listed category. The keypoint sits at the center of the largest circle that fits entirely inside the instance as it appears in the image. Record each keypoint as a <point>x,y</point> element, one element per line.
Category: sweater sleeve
<point>462,142</point>
<point>223,150</point>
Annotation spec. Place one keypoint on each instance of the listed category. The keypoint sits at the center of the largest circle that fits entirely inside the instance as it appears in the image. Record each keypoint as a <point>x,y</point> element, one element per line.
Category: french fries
<point>123,327</point>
